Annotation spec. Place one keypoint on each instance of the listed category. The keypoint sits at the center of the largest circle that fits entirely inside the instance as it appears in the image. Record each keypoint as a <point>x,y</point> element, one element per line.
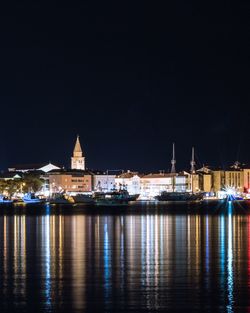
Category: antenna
<point>173,161</point>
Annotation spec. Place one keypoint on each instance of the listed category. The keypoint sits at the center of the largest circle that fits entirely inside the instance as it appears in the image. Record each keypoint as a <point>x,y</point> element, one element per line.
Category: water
<point>144,259</point>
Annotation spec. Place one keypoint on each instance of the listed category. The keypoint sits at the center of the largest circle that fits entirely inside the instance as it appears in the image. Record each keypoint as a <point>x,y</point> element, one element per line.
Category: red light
<point>249,190</point>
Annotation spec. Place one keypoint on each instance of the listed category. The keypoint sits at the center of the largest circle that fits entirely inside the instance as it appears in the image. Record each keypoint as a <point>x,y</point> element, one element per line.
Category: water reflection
<point>122,262</point>
<point>230,279</point>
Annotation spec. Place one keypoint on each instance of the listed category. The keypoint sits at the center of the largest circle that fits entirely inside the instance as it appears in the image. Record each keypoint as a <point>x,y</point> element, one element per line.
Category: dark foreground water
<point>144,259</point>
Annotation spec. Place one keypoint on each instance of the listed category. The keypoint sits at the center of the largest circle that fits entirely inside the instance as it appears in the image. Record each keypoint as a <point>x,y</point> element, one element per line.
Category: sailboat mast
<point>173,161</point>
<point>192,170</point>
<point>173,171</point>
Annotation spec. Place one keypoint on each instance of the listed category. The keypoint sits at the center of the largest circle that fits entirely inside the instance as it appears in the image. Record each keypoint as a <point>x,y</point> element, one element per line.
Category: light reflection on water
<point>230,278</point>
<point>125,263</point>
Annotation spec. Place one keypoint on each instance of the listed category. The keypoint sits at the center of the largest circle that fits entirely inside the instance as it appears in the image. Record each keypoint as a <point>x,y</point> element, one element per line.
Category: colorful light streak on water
<point>47,264</point>
<point>107,262</point>
<point>95,263</point>
<point>230,273</point>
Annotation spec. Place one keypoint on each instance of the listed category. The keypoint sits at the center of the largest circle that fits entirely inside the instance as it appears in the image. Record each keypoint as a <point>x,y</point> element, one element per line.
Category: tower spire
<point>192,162</point>
<point>78,149</point>
<point>78,160</point>
<point>173,161</point>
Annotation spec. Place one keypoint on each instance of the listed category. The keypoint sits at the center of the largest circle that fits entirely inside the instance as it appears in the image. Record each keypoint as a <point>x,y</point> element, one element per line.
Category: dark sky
<point>129,78</point>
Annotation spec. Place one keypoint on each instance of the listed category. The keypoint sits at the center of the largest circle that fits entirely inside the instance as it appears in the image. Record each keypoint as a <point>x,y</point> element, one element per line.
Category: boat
<point>59,199</point>
<point>83,199</point>
<point>31,198</point>
<point>113,198</point>
<point>4,199</point>
<point>133,197</point>
<point>182,195</point>
<point>179,196</point>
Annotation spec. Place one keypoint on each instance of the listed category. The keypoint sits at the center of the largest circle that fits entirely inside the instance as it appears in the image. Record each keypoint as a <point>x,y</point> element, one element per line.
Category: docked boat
<point>31,198</point>
<point>133,197</point>
<point>179,196</point>
<point>83,199</point>
<point>59,199</point>
<point>113,198</point>
<point>5,200</point>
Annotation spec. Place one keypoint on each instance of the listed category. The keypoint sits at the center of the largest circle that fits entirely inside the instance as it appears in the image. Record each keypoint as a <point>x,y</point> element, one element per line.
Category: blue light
<point>106,261</point>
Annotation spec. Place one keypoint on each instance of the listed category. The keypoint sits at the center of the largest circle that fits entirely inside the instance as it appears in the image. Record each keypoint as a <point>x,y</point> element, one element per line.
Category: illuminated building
<point>246,178</point>
<point>102,181</point>
<point>234,179</point>
<point>70,181</point>
<point>153,184</point>
<point>131,181</point>
<point>78,160</point>
<point>212,179</point>
<point>206,182</point>
<point>205,179</point>
<point>218,181</point>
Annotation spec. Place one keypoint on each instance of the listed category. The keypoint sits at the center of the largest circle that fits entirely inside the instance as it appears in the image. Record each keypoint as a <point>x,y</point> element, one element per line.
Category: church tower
<point>78,160</point>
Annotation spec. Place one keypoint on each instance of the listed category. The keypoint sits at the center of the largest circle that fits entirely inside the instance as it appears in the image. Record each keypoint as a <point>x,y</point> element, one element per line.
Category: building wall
<point>234,179</point>
<point>181,183</point>
<point>132,184</point>
<point>70,183</point>
<point>103,182</point>
<point>218,178</point>
<point>151,186</point>
<point>193,183</point>
<point>246,180</point>
<point>207,182</point>
<point>78,163</point>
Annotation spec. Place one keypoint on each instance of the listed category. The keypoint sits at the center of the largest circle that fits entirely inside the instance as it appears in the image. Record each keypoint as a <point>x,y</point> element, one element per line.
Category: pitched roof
<point>159,175</point>
<point>10,175</point>
<point>29,167</point>
<point>70,172</point>
<point>128,174</point>
<point>77,146</point>
<point>33,166</point>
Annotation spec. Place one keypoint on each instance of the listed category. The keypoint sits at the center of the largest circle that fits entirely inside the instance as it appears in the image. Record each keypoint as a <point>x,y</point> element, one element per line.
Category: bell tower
<point>78,160</point>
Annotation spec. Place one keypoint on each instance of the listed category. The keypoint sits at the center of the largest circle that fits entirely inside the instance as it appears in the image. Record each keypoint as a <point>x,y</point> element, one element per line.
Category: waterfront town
<point>48,179</point>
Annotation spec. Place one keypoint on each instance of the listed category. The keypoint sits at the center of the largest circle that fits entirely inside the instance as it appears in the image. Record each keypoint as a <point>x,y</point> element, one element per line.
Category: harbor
<point>52,184</point>
<point>125,157</point>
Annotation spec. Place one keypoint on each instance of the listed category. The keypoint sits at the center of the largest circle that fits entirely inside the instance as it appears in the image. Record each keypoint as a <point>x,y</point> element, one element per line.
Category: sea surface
<point>145,258</point>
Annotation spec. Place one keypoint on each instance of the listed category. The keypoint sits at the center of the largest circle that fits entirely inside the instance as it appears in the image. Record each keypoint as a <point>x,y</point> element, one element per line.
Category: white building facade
<point>103,181</point>
<point>131,181</point>
<point>153,184</point>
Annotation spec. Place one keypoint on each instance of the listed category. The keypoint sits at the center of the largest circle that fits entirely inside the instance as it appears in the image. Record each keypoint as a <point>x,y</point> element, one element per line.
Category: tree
<point>32,182</point>
<point>3,186</point>
<point>12,187</point>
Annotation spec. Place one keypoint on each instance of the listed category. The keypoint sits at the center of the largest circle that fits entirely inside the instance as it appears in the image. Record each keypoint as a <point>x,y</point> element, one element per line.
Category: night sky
<point>130,78</point>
